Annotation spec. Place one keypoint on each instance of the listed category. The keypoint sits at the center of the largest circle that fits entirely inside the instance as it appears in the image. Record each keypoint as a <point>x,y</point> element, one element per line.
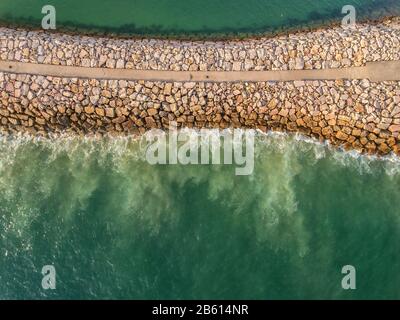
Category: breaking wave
<point>97,199</point>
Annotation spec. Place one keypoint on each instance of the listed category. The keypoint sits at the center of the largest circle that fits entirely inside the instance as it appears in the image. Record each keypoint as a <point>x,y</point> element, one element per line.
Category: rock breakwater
<point>326,48</point>
<point>357,114</point>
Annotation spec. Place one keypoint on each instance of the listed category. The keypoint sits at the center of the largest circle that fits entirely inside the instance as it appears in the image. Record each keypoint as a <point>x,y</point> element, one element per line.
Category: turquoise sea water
<point>190,17</point>
<point>114,226</point>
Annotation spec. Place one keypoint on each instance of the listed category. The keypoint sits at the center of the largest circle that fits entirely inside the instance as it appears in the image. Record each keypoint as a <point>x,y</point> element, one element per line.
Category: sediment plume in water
<point>115,226</point>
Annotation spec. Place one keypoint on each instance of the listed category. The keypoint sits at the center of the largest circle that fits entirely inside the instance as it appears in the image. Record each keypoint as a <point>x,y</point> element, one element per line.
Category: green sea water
<point>114,226</point>
<point>188,18</point>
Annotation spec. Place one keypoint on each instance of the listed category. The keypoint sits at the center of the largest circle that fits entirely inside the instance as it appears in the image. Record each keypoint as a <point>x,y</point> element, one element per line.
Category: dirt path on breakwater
<point>374,71</point>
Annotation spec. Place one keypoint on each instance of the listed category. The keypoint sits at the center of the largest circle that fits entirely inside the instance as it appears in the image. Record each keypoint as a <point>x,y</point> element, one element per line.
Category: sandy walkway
<point>374,71</point>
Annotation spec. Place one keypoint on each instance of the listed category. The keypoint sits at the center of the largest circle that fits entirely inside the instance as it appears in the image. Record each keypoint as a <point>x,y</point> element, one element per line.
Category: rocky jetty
<point>326,48</point>
<point>356,114</point>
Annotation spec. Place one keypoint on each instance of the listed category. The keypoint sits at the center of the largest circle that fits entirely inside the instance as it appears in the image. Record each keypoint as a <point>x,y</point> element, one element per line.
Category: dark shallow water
<point>188,18</point>
<point>115,227</point>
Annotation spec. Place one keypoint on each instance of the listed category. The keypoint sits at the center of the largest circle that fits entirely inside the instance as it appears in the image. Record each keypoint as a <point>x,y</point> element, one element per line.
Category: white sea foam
<point>131,148</point>
<point>58,178</point>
